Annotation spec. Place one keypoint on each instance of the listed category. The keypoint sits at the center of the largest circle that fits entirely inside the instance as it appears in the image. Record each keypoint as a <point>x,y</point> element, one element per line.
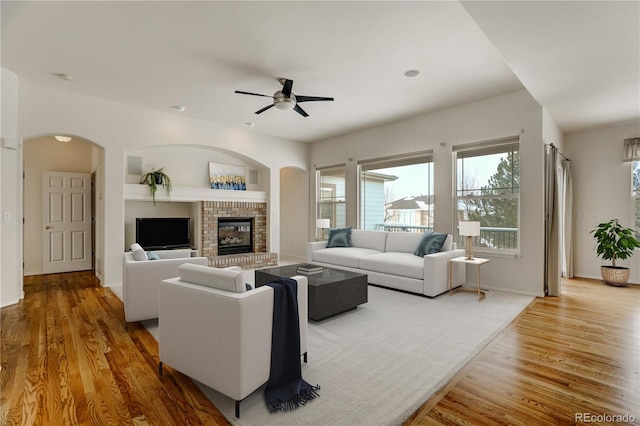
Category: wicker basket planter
<point>615,275</point>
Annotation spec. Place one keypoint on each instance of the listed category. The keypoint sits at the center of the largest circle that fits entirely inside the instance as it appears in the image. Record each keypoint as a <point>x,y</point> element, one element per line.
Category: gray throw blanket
<point>286,390</point>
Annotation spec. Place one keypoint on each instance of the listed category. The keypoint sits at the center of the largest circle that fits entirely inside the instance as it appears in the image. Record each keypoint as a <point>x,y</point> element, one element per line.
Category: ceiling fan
<point>285,99</point>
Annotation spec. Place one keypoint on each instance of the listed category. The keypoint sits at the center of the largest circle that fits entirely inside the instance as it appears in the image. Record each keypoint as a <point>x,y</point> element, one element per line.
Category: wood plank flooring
<point>66,358</point>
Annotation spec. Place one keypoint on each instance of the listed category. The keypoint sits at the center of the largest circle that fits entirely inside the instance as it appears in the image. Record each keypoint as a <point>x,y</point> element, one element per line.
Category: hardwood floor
<point>565,360</point>
<point>66,358</point>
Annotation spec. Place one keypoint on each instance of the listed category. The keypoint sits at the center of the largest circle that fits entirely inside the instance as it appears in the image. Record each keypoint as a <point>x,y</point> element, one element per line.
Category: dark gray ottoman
<point>331,292</point>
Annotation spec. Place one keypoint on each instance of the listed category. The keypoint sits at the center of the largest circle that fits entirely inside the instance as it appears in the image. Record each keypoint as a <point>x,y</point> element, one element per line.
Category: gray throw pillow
<point>339,237</point>
<point>431,242</point>
<point>152,255</point>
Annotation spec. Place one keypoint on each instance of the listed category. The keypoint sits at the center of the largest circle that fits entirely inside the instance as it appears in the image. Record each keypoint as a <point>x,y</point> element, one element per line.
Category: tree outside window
<point>488,191</point>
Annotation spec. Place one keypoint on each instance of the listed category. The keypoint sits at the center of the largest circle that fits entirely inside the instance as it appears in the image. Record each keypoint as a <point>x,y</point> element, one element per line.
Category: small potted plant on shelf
<point>614,242</point>
<point>155,179</point>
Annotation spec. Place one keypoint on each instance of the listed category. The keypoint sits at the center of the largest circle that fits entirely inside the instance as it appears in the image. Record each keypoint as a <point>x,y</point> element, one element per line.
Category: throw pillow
<point>339,237</point>
<point>138,252</point>
<point>152,255</point>
<point>248,286</point>
<point>431,242</point>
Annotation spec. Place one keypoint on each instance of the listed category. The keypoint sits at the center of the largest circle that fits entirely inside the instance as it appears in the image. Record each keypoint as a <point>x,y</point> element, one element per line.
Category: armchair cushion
<point>223,279</point>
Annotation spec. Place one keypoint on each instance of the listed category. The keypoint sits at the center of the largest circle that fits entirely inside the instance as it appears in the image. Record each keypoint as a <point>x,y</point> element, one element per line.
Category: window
<point>331,195</point>
<point>635,185</point>
<point>488,191</point>
<point>396,193</point>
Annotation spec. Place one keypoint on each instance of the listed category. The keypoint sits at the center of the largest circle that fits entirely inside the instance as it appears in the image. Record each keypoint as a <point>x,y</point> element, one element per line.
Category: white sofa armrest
<point>313,246</point>
<point>436,272</point>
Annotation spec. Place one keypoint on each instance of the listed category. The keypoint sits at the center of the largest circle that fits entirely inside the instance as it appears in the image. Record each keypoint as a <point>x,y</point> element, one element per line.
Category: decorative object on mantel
<point>227,176</point>
<point>469,230</point>
<point>631,150</point>
<point>614,242</point>
<point>156,178</point>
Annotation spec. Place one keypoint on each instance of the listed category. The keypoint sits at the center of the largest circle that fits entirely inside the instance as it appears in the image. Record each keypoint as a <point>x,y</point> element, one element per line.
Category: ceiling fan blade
<point>301,98</point>
<point>286,88</point>
<point>264,109</point>
<point>300,111</point>
<point>254,94</point>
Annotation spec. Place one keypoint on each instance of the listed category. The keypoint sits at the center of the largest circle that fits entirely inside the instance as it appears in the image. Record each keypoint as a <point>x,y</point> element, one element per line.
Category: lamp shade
<point>470,229</point>
<point>323,223</point>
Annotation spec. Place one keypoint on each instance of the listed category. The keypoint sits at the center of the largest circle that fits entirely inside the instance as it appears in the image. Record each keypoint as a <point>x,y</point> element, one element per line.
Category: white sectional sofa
<point>388,260</point>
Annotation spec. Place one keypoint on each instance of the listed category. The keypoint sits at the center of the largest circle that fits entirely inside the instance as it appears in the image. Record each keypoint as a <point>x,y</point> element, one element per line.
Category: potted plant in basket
<point>614,242</point>
<point>154,179</point>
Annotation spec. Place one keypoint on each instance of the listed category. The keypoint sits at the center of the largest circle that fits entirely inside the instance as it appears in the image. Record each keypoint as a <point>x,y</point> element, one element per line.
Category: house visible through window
<point>331,195</point>
<point>488,190</point>
<point>396,194</point>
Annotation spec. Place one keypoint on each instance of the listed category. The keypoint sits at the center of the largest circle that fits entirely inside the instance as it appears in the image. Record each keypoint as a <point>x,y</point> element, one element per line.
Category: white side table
<point>474,261</point>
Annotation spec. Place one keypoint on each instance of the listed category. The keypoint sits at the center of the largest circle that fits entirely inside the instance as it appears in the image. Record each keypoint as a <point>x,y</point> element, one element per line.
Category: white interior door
<point>66,222</point>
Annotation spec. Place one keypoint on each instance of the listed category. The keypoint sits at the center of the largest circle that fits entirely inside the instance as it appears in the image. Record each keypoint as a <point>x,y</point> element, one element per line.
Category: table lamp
<point>469,230</point>
<point>322,224</point>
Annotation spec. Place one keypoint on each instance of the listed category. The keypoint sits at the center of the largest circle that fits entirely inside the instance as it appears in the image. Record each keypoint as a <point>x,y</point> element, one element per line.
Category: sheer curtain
<point>567,220</point>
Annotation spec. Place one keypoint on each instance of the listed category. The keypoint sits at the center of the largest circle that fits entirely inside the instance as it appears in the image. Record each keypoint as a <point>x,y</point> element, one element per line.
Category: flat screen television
<point>157,233</point>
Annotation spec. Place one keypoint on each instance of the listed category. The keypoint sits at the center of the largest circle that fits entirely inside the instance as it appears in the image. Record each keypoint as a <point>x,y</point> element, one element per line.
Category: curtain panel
<point>631,150</point>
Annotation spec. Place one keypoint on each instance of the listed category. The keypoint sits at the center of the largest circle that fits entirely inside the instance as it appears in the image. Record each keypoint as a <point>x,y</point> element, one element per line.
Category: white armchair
<point>218,336</point>
<point>141,280</point>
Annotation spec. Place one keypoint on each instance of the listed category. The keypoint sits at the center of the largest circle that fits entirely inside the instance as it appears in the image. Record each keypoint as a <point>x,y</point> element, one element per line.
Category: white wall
<point>10,185</point>
<point>294,218</point>
<point>602,191</point>
<point>119,128</point>
<point>40,155</point>
<point>512,114</point>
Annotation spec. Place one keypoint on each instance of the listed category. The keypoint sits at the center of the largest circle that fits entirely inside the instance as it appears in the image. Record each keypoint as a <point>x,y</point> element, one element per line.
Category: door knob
<point>48,227</point>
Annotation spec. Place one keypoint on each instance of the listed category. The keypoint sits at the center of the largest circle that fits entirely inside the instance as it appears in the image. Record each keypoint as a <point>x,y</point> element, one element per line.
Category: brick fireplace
<point>258,257</point>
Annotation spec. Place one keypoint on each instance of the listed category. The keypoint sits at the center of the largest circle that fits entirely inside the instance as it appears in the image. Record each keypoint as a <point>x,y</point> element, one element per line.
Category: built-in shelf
<point>137,192</point>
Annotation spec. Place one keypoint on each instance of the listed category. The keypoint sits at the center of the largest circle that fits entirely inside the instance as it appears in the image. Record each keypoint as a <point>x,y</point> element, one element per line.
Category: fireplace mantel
<point>137,192</point>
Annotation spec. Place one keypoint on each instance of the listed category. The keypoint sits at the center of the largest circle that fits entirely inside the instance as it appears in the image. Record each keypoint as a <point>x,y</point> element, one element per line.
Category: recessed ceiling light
<point>62,76</point>
<point>179,108</point>
<point>63,138</point>
<point>249,124</point>
<point>412,73</point>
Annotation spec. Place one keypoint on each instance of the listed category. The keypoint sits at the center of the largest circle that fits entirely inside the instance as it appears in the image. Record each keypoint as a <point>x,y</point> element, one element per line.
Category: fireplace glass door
<point>235,236</point>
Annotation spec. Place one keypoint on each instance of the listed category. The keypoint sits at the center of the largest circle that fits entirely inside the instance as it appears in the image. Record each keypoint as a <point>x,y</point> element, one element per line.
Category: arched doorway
<point>45,155</point>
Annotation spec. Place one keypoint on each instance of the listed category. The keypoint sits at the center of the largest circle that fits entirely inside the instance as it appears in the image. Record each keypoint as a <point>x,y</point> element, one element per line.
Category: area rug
<point>378,364</point>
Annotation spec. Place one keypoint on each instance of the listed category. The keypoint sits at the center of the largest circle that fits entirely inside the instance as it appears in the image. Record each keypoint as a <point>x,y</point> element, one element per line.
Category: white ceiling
<point>581,60</point>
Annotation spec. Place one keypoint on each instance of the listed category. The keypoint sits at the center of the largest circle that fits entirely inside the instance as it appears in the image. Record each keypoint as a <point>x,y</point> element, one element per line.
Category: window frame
<point>479,149</point>
<point>408,159</point>
<point>338,169</point>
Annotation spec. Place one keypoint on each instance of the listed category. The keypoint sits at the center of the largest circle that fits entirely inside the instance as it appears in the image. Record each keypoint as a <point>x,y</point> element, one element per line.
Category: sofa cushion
<point>394,263</point>
<point>374,240</point>
<point>339,237</point>
<point>138,252</point>
<point>431,242</point>
<point>342,256</point>
<point>403,242</point>
<point>221,279</point>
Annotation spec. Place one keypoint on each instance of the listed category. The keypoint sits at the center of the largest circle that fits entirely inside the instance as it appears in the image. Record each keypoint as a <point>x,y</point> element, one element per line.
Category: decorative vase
<point>615,275</point>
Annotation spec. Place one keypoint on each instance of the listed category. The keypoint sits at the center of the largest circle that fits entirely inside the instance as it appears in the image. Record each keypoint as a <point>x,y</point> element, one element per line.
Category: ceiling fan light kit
<point>285,99</point>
